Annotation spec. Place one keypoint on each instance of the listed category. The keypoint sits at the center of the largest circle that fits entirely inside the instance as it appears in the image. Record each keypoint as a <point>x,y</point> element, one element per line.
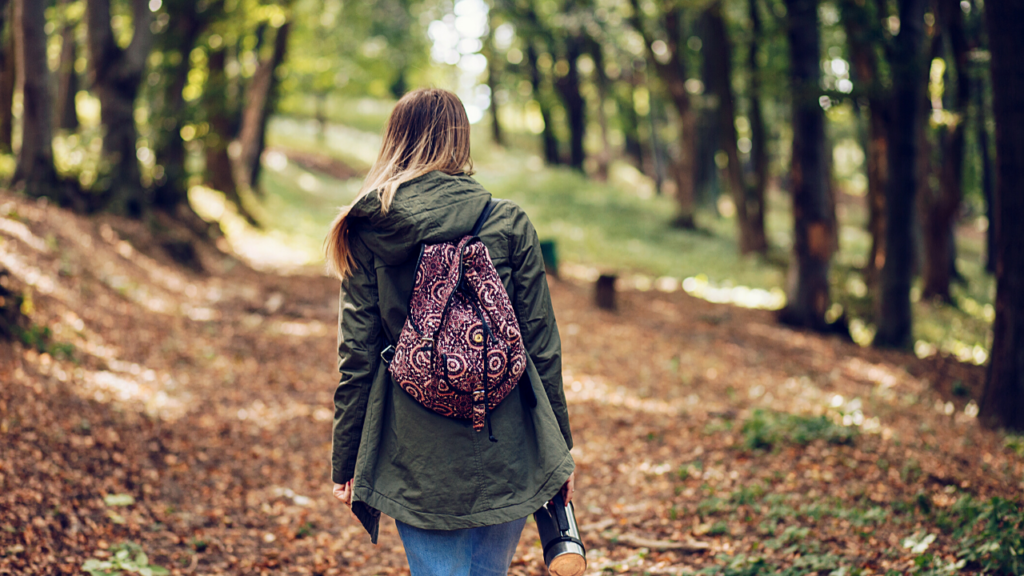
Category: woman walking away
<point>458,483</point>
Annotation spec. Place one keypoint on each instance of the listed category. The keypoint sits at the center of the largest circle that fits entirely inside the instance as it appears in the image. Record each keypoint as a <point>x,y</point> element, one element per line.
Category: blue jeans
<point>483,551</point>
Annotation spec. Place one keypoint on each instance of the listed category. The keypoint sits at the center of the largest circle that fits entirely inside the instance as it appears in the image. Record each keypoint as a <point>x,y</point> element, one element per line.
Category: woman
<point>459,500</point>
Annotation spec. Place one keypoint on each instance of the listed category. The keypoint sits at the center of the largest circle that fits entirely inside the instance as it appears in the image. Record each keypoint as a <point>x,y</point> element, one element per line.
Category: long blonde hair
<point>428,130</point>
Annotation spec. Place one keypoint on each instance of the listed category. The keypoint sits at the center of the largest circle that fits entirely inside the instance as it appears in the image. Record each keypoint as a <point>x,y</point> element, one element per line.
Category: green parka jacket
<point>408,462</point>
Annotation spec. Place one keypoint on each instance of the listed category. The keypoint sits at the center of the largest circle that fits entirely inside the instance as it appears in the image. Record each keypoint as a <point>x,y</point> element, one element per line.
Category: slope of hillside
<point>187,409</point>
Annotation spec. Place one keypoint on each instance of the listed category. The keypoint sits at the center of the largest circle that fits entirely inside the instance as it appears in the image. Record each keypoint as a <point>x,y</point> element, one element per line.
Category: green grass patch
<point>767,429</point>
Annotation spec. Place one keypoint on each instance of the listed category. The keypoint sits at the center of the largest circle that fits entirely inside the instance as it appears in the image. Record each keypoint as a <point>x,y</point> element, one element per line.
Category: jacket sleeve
<point>359,345</point>
<point>536,316</point>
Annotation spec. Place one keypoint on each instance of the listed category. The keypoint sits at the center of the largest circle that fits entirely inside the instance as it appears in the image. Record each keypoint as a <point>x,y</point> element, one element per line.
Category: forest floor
<point>187,410</point>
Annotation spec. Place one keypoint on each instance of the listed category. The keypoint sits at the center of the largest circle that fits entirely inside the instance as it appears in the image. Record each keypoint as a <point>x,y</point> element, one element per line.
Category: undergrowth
<point>766,429</point>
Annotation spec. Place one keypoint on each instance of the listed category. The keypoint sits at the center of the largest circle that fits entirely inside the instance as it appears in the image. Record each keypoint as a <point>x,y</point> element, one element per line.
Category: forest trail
<point>207,398</point>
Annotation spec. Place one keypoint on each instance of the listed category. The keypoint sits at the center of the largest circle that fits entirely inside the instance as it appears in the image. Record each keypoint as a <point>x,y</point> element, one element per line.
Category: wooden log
<point>604,293</point>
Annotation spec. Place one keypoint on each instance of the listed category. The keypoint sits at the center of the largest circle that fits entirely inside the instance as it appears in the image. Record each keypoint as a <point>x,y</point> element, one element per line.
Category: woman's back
<point>421,468</point>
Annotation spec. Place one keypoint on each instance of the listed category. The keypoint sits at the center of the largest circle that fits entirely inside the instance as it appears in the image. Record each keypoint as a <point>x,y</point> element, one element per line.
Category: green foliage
<point>996,543</point>
<point>40,338</point>
<point>1015,443</point>
<point>126,558</point>
<point>765,429</point>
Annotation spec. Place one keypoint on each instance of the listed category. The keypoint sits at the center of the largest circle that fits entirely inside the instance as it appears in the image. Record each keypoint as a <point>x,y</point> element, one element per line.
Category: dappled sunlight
<point>261,249</point>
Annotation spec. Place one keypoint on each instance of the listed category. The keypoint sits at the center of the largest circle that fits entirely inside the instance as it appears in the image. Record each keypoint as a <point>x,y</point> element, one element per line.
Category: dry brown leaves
<point>207,398</point>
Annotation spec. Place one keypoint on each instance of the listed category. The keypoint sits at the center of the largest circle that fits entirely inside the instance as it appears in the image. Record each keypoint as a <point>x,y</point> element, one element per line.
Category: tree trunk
<point>220,173</point>
<point>628,118</point>
<point>602,83</point>
<point>259,104</point>
<point>909,70</point>
<point>116,75</point>
<point>492,80</point>
<point>171,189</point>
<point>35,160</point>
<point>758,142</point>
<point>8,75</point>
<point>548,137</point>
<point>673,75</point>
<point>720,85</point>
<point>859,32</point>
<point>807,285</point>
<point>941,209</point>
<point>575,105</point>
<point>1002,403</point>
<point>67,77</point>
<point>988,184</point>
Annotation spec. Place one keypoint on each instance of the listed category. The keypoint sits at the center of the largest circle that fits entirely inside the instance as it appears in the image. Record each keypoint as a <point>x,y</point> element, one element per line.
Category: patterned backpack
<point>460,352</point>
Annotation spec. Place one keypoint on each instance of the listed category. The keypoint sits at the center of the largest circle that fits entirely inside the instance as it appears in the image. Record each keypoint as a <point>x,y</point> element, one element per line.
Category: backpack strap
<point>483,217</point>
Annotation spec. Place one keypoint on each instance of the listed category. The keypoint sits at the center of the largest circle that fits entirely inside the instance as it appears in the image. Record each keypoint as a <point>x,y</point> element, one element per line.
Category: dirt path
<point>207,399</point>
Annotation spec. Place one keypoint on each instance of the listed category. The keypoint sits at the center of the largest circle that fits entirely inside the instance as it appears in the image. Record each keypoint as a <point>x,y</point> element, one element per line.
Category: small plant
<point>126,558</point>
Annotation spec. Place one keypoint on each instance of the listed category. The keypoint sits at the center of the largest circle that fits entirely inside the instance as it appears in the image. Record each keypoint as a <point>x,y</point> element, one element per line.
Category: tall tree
<point>67,76</point>
<point>1002,403</point>
<point>863,34</point>
<point>603,84</point>
<point>672,72</point>
<point>807,292</point>
<point>568,85</point>
<point>223,118</point>
<point>260,99</point>
<point>176,43</point>
<point>116,77</point>
<point>941,206</point>
<point>719,85</point>
<point>8,75</point>
<point>493,73</point>
<point>548,137</point>
<point>755,198</point>
<point>909,70</point>
<point>35,160</point>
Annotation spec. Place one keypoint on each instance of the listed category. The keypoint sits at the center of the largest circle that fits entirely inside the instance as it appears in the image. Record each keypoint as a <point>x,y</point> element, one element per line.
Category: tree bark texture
<point>1002,403</point>
<point>67,77</point>
<point>807,284</point>
<point>35,160</point>
<point>940,209</point>
<point>259,104</point>
<point>909,74</point>
<point>116,75</point>
<point>8,75</point>
<point>673,75</point>
<point>758,141</point>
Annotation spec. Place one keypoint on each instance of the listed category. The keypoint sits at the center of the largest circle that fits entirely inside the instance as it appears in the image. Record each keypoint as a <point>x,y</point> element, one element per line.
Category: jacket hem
<point>435,521</point>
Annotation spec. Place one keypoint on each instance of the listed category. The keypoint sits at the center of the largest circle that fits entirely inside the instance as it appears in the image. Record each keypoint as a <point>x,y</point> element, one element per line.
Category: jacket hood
<point>432,208</point>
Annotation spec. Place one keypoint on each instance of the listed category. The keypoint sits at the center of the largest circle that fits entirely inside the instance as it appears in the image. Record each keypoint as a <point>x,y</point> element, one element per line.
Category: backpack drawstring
<point>487,391</point>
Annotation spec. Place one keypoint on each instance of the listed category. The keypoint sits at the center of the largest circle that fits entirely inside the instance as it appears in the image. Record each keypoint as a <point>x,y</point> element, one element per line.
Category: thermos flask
<point>564,553</point>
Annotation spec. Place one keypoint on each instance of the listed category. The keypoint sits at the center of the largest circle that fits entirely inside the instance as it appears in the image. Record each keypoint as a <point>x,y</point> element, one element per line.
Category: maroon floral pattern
<point>460,352</point>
